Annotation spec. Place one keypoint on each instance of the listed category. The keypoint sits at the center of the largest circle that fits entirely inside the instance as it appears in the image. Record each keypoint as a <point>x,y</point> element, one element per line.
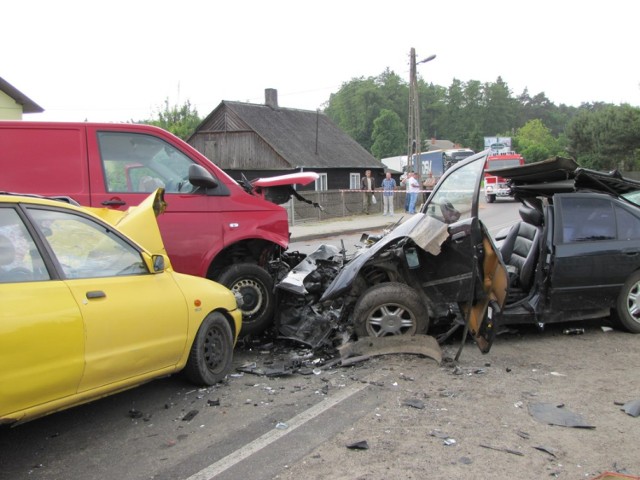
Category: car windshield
<point>633,197</point>
<point>453,200</point>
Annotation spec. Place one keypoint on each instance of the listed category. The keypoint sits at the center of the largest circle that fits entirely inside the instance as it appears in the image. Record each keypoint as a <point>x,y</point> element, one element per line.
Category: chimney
<point>271,97</point>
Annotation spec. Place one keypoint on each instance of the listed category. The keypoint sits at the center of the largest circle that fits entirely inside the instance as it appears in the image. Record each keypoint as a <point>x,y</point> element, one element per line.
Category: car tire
<point>390,309</point>
<point>628,305</point>
<point>211,352</point>
<point>490,198</point>
<point>255,286</point>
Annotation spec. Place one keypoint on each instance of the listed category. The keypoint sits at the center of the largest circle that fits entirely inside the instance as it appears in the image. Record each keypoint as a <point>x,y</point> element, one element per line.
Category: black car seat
<point>520,248</point>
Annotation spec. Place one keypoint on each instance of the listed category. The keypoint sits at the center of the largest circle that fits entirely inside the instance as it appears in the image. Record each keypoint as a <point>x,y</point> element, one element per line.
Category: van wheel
<point>211,352</point>
<point>627,311</point>
<point>490,198</point>
<point>390,309</point>
<point>255,286</point>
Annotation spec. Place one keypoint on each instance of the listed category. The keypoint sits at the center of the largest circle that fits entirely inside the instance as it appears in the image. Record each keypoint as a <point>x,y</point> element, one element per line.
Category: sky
<point>118,61</point>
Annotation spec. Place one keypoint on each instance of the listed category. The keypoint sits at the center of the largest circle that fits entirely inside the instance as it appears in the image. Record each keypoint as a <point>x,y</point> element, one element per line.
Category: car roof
<point>563,175</point>
<point>12,197</point>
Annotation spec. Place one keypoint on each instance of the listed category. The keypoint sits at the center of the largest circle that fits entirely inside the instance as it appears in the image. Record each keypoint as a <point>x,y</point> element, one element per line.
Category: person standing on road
<point>368,186</point>
<point>413,188</point>
<point>407,199</point>
<point>388,187</point>
<point>428,185</point>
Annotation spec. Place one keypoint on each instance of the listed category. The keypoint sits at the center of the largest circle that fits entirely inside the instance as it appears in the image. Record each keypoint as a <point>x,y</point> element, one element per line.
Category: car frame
<point>87,311</point>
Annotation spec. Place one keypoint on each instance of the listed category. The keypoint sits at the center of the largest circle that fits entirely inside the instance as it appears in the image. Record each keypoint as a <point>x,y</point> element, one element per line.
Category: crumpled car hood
<point>427,232</point>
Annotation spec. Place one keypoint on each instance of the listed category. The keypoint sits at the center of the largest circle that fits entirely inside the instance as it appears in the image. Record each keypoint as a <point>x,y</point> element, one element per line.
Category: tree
<point>606,137</point>
<point>535,142</point>
<point>389,136</point>
<point>182,121</point>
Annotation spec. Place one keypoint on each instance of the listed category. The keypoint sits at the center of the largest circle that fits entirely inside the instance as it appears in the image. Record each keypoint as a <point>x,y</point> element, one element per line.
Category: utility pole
<point>414,143</point>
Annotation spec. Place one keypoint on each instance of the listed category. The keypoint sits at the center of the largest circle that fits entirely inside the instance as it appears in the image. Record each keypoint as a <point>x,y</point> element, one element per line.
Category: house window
<point>354,181</point>
<point>321,182</point>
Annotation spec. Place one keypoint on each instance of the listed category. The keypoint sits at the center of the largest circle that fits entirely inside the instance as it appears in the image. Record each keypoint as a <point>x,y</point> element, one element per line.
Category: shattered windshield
<point>633,197</point>
<point>453,200</point>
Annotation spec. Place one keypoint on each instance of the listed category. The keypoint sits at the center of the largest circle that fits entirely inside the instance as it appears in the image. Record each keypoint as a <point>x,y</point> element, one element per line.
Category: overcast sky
<point>118,60</point>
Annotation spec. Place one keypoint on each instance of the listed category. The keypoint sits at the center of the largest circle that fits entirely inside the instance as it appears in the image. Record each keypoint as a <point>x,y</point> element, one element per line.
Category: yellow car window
<point>85,248</point>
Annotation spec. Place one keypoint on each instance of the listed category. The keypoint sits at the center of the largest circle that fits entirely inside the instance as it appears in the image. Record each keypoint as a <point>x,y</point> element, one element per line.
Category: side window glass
<point>587,220</point>
<point>453,200</point>
<point>134,162</point>
<point>85,248</point>
<point>628,224</point>
<point>20,260</point>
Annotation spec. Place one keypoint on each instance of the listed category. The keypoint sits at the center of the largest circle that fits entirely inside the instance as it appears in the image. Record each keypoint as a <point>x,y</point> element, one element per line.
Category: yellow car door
<point>41,328</point>
<point>134,325</point>
<point>135,321</point>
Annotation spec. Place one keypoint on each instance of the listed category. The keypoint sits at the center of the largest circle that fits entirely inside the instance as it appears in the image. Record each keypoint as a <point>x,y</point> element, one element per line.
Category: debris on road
<point>556,414</point>
<point>361,445</point>
<point>503,449</point>
<point>632,408</point>
<point>414,402</point>
<point>368,347</point>
<point>189,416</point>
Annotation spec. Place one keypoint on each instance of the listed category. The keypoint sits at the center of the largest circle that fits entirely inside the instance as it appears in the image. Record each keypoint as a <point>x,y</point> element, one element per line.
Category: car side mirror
<point>158,263</point>
<point>200,177</point>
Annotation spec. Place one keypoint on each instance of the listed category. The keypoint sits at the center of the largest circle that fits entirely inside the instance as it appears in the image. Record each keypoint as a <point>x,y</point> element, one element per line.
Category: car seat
<point>520,248</point>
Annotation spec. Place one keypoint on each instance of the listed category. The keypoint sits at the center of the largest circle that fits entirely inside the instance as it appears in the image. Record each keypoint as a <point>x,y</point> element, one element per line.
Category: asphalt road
<point>250,427</point>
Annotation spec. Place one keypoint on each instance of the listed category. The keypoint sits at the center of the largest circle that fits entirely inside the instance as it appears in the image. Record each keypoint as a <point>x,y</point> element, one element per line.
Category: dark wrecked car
<point>576,252</point>
<point>574,255</point>
<point>438,267</point>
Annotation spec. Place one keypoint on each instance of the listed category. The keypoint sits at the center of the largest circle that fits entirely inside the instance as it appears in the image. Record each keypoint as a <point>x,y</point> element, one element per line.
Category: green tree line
<point>374,111</point>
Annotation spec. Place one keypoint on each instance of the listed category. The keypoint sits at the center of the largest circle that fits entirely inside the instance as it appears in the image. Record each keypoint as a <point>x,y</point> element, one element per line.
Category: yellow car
<point>86,311</point>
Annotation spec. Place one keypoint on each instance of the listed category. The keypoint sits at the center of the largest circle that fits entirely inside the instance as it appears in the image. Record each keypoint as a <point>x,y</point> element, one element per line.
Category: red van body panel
<point>73,159</point>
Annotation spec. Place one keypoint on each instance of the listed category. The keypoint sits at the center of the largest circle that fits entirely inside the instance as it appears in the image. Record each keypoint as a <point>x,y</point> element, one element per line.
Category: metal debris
<point>361,445</point>
<point>549,450</point>
<point>189,416</point>
<point>414,402</point>
<point>632,408</point>
<point>424,345</point>
<point>556,414</point>
<point>503,449</point>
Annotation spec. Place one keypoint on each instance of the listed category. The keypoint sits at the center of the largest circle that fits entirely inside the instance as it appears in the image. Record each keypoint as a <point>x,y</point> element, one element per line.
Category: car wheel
<point>490,198</point>
<point>255,286</point>
<point>628,305</point>
<point>390,309</point>
<point>211,352</point>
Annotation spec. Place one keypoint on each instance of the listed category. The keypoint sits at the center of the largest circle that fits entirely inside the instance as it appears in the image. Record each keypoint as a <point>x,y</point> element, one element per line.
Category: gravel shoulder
<point>476,422</point>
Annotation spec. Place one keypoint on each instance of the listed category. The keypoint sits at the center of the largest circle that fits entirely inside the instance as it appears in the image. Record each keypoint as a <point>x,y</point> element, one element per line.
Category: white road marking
<point>271,436</point>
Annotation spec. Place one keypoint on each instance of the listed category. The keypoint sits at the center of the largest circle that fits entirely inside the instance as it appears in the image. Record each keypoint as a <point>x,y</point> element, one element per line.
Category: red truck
<point>495,186</point>
<point>213,226</point>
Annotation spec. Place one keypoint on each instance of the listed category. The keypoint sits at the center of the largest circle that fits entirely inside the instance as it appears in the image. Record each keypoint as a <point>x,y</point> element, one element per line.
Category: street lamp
<point>413,144</point>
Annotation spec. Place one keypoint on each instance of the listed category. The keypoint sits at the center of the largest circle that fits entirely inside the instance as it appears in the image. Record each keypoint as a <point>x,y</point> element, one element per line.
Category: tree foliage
<point>599,136</point>
<point>389,136</point>
<point>182,121</point>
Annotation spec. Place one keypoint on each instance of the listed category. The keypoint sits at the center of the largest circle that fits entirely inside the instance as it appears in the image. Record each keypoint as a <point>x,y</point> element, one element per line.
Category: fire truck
<point>496,186</point>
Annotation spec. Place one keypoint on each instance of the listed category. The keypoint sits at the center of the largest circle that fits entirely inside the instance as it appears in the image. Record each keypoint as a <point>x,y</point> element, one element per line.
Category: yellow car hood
<point>139,223</point>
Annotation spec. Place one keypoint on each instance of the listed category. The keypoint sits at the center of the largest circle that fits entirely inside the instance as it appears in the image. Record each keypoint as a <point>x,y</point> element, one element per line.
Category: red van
<point>212,227</point>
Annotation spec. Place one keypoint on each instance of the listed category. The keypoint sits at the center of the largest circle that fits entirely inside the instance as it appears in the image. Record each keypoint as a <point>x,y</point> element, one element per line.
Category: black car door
<point>597,246</point>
